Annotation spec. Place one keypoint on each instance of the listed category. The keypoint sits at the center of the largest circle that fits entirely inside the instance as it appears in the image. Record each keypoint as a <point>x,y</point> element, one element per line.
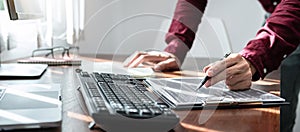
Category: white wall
<point>124,26</point>
<point>21,36</point>
<point>242,19</point>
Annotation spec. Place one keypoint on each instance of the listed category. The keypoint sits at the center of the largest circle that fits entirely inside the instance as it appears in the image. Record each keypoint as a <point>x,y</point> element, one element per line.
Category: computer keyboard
<point>119,102</point>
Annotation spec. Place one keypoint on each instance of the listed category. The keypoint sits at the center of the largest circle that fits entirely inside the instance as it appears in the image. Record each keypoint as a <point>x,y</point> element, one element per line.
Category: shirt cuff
<point>177,48</point>
<point>253,55</point>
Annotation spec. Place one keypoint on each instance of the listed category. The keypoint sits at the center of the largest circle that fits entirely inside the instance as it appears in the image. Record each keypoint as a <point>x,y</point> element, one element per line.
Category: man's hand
<point>157,60</point>
<point>235,70</point>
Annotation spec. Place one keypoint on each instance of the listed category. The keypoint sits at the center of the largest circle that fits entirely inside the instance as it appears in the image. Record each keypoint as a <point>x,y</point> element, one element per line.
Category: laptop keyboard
<point>118,94</point>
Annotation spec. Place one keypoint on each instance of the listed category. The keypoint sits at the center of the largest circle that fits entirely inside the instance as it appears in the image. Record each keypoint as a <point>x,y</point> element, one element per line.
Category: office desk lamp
<point>19,71</point>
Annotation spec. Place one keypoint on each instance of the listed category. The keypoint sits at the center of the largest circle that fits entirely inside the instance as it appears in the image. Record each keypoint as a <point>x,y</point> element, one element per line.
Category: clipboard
<point>182,93</point>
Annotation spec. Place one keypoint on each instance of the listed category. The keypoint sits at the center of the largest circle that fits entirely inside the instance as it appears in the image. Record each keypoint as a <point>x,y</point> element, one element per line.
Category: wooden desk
<point>75,117</point>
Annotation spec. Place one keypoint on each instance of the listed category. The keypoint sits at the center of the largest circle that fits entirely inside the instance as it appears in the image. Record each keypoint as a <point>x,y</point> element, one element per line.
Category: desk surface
<point>75,117</point>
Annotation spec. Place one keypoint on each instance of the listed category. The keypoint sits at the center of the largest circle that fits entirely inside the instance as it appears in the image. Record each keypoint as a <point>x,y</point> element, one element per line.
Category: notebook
<point>25,106</point>
<point>9,71</point>
<point>51,61</point>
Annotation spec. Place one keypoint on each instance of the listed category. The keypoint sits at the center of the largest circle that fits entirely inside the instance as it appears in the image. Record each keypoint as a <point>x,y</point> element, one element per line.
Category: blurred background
<point>124,26</point>
<point>41,23</point>
<point>120,27</point>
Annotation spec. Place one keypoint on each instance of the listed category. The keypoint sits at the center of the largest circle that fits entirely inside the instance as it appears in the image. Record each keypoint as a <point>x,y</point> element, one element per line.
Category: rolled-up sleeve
<point>181,34</point>
<point>269,5</point>
<point>279,37</point>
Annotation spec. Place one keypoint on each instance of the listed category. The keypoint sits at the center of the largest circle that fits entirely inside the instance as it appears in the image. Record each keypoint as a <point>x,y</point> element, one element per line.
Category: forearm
<point>181,34</point>
<point>277,39</point>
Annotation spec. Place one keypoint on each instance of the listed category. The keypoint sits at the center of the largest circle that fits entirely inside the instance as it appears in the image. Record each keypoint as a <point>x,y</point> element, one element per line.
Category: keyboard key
<point>132,111</point>
<point>90,85</point>
<point>85,74</point>
<point>145,112</point>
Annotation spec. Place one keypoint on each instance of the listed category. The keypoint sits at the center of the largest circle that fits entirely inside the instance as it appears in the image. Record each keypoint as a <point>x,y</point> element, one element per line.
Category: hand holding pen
<point>206,78</point>
<point>234,69</point>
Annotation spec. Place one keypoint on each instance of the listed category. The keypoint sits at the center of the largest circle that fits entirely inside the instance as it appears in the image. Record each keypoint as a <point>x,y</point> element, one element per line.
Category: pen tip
<point>200,86</point>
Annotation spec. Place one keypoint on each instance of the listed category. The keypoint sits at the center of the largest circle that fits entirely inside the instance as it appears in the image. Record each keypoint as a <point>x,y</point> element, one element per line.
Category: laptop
<point>28,106</point>
<point>9,71</point>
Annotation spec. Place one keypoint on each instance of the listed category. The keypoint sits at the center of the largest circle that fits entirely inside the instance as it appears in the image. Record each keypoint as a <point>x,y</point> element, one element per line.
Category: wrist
<point>177,48</point>
<point>252,68</point>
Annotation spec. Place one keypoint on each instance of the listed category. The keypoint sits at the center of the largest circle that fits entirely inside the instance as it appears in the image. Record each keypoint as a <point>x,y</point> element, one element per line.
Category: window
<point>1,5</point>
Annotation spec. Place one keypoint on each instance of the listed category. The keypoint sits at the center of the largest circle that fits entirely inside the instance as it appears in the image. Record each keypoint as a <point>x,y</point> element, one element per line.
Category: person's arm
<point>186,19</point>
<point>275,41</point>
<point>269,5</point>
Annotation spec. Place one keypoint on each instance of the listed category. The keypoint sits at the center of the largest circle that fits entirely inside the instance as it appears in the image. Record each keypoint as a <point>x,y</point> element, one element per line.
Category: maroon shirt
<point>278,38</point>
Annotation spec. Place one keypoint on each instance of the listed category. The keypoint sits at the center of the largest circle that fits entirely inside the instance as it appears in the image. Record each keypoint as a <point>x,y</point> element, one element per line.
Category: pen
<point>206,78</point>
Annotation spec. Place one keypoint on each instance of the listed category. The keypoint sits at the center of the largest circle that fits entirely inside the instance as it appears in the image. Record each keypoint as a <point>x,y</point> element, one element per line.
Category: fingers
<point>219,66</point>
<point>239,81</point>
<point>234,69</point>
<point>169,64</point>
<point>215,79</point>
<point>141,57</point>
<point>133,57</point>
<point>234,82</point>
<point>146,58</point>
<point>207,67</point>
<point>159,61</point>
